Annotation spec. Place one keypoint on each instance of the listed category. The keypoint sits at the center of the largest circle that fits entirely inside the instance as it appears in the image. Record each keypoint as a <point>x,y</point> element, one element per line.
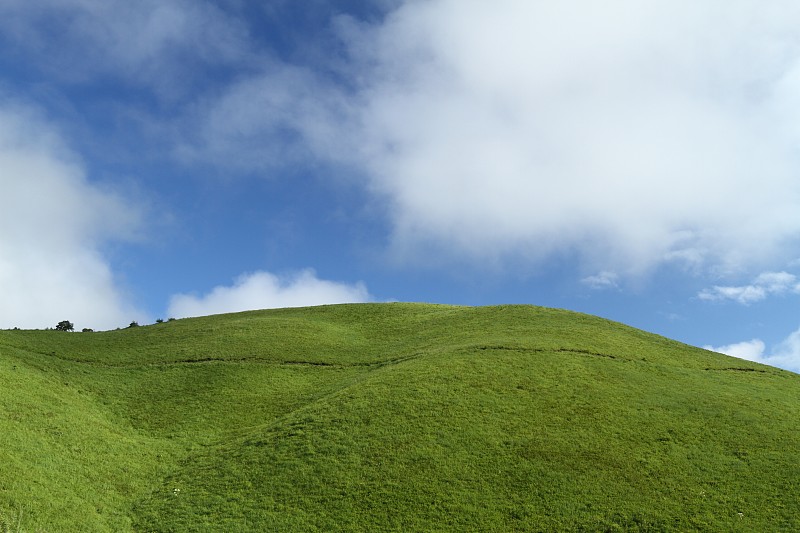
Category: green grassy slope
<point>391,417</point>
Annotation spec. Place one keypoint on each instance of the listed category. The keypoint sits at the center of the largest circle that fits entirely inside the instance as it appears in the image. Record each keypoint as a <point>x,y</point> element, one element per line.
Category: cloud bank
<point>630,135</point>
<point>263,290</point>
<point>53,225</point>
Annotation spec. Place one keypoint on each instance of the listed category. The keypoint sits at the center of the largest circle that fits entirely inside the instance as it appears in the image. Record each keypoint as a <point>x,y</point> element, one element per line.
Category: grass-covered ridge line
<point>391,417</point>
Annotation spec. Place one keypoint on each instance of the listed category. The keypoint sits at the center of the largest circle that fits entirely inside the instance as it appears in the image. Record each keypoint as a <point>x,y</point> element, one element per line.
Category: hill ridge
<point>392,417</point>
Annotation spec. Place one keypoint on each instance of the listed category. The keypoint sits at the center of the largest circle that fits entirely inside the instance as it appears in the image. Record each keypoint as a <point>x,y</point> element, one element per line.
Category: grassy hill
<point>391,417</point>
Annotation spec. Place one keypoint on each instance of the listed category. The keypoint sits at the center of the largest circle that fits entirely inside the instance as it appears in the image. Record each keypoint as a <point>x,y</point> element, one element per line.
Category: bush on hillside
<point>65,325</point>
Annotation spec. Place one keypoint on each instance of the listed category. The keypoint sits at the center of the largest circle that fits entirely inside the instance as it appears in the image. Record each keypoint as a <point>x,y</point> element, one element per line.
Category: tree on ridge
<point>65,325</point>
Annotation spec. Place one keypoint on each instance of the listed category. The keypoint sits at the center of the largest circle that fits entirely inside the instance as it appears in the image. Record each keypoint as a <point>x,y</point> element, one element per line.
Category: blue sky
<point>638,161</point>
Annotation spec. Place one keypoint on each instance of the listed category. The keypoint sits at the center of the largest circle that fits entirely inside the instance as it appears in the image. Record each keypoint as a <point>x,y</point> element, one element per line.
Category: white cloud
<point>752,350</point>
<point>744,295</point>
<point>263,290</point>
<point>521,125</point>
<point>785,355</point>
<point>632,134</point>
<point>602,280</point>
<point>778,282</point>
<point>766,284</point>
<point>53,223</point>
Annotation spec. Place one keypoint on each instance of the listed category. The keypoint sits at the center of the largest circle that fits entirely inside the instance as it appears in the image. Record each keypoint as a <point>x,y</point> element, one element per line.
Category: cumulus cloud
<point>523,125</point>
<point>53,223</point>
<point>766,284</point>
<point>785,355</point>
<point>263,290</point>
<point>629,134</point>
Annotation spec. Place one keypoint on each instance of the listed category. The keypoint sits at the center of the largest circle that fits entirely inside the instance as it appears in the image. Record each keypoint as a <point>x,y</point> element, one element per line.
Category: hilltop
<point>391,417</point>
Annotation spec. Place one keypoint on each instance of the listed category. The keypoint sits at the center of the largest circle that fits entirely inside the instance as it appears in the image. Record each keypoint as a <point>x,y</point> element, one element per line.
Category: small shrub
<point>159,320</point>
<point>87,330</point>
<point>133,324</point>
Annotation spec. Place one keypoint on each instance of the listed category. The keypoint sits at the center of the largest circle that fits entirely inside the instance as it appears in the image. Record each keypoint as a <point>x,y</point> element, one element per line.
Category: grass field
<point>404,417</point>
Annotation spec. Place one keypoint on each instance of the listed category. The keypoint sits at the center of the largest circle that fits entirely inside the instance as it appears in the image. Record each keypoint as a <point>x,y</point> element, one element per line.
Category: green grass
<point>401,417</point>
